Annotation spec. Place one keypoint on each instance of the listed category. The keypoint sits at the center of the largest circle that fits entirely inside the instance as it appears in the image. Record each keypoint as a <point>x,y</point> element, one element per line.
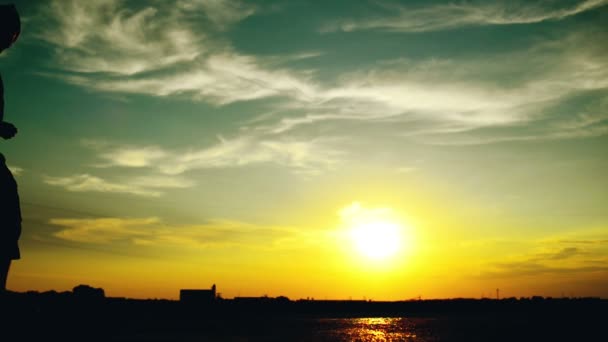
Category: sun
<point>376,240</point>
<point>377,235</point>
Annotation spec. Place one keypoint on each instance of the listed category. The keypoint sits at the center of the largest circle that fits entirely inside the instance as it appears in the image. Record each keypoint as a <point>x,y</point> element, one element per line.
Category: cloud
<point>576,258</point>
<point>15,170</point>
<point>437,101</point>
<point>102,230</point>
<point>508,270</point>
<point>585,242</point>
<point>163,166</point>
<point>308,157</point>
<point>220,79</point>
<point>141,186</point>
<point>401,18</point>
<point>566,253</point>
<point>221,13</point>
<point>102,36</point>
<point>453,101</point>
<point>134,156</point>
<point>161,182</point>
<point>151,231</point>
<point>161,49</point>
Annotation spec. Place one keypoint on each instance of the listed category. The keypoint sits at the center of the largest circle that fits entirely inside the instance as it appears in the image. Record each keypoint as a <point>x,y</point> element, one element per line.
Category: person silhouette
<point>10,28</point>
<point>10,222</point>
<point>10,210</point>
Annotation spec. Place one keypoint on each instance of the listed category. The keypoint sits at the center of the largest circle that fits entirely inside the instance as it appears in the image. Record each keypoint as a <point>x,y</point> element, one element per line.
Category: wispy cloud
<point>89,183</point>
<point>566,253</point>
<point>312,156</point>
<point>102,230</point>
<point>584,242</point>
<point>15,170</point>
<point>162,167</point>
<point>151,231</point>
<point>450,101</point>
<point>403,18</point>
<point>589,121</point>
<point>518,269</point>
<point>116,49</point>
<point>134,156</point>
<point>161,49</point>
<point>103,36</point>
<point>221,13</point>
<point>161,182</point>
<point>146,186</point>
<point>553,257</point>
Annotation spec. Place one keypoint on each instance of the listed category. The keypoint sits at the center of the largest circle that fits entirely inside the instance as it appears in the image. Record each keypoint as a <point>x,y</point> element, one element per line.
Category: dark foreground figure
<point>10,212</point>
<point>92,317</point>
<point>10,28</point>
<point>10,222</point>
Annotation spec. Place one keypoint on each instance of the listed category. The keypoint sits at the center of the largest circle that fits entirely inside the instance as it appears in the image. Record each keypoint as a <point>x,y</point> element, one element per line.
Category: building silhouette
<point>88,293</point>
<point>198,296</point>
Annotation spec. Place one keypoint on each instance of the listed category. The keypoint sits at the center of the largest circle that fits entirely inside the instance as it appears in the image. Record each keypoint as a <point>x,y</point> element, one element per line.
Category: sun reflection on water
<point>375,330</point>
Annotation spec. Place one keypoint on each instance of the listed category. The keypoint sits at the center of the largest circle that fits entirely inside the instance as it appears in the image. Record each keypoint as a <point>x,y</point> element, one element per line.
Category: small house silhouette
<point>196,296</point>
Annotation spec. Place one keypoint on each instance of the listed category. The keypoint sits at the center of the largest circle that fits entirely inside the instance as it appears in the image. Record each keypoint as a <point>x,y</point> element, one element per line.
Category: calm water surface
<point>305,329</point>
<point>373,329</point>
<point>457,327</point>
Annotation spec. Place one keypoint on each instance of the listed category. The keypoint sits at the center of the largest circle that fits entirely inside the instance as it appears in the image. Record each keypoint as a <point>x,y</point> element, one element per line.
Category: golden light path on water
<point>374,329</point>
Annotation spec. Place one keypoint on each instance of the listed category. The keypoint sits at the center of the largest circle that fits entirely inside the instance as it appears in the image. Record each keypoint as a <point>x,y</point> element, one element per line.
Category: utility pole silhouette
<point>497,294</point>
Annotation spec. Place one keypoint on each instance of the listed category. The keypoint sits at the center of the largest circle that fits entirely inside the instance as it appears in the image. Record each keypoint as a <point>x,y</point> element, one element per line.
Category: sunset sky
<point>331,149</point>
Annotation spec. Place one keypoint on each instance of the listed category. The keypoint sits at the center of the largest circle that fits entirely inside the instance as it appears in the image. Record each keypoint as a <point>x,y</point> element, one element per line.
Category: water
<point>456,327</point>
<point>373,329</point>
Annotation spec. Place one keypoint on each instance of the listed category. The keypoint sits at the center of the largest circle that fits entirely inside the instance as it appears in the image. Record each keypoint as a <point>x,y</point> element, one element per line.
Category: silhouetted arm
<point>7,130</point>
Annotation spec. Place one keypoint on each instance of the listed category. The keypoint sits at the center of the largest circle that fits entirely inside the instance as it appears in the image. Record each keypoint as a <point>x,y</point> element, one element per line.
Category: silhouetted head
<point>10,26</point>
<point>2,159</point>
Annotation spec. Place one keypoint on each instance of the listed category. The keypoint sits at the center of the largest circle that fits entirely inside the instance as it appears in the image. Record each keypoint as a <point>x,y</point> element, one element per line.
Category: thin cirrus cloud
<point>164,167</point>
<point>303,157</point>
<point>15,170</point>
<point>116,49</point>
<point>219,79</point>
<point>446,97</point>
<point>455,15</point>
<point>100,36</point>
<point>134,157</point>
<point>151,231</point>
<point>101,230</point>
<point>311,156</point>
<point>147,186</point>
<point>308,157</point>
<point>574,257</point>
<point>88,183</point>
<point>161,50</point>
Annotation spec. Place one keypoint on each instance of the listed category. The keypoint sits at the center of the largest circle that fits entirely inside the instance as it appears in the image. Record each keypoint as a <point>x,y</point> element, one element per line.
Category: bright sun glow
<point>375,233</point>
<point>377,240</point>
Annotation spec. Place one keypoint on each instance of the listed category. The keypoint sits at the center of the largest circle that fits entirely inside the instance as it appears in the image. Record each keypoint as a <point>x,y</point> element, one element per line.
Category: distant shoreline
<point>90,316</point>
<point>90,297</point>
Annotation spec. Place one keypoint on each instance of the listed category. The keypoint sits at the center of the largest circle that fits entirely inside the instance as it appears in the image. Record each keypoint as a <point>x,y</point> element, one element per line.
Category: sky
<point>379,150</point>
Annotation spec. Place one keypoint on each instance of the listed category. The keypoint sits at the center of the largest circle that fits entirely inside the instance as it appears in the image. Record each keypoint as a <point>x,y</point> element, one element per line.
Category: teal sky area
<point>485,123</point>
